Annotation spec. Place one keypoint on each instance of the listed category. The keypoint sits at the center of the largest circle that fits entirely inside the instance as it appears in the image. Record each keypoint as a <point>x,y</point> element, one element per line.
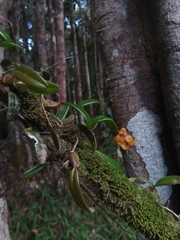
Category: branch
<point>102,186</point>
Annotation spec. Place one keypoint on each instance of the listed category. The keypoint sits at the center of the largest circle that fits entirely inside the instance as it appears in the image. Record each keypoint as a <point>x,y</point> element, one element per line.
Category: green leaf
<point>54,137</point>
<point>145,180</point>
<point>50,89</point>
<point>28,80</point>
<point>13,105</point>
<point>168,180</point>
<point>108,121</point>
<point>87,102</point>
<point>90,135</point>
<point>31,73</point>
<point>63,112</point>
<point>111,161</point>
<point>83,112</point>
<point>6,41</point>
<point>33,171</point>
<point>9,45</point>
<point>39,144</point>
<point>4,36</point>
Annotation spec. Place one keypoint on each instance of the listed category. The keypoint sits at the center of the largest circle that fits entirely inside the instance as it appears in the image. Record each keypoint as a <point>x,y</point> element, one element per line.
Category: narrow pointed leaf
<point>90,135</point>
<point>87,102</point>
<point>9,45</point>
<point>4,36</point>
<point>33,171</point>
<point>13,105</point>
<point>83,112</point>
<point>108,121</point>
<point>111,161</point>
<point>54,137</point>
<point>168,180</point>
<point>63,112</point>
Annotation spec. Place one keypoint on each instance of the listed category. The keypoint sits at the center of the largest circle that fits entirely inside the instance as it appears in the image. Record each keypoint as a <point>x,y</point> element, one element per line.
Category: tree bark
<point>40,34</point>
<point>4,230</point>
<point>60,46</point>
<point>78,84</point>
<point>167,17</point>
<point>127,43</point>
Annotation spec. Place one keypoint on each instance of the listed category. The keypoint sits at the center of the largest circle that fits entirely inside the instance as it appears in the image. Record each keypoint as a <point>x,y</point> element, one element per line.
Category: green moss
<point>138,207</point>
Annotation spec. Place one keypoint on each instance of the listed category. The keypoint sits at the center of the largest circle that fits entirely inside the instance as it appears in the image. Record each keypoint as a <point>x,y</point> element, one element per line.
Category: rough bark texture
<point>127,43</point>
<point>60,46</point>
<point>41,33</point>
<point>4,230</point>
<point>168,41</point>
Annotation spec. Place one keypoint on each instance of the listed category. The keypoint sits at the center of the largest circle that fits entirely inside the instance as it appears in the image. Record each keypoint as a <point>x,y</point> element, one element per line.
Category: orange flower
<point>124,139</point>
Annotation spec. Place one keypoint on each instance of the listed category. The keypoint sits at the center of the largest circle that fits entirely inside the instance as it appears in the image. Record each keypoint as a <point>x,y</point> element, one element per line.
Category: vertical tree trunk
<point>41,33</point>
<point>78,85</point>
<point>53,61</point>
<point>167,19</point>
<point>61,59</point>
<point>88,81</point>
<point>134,85</point>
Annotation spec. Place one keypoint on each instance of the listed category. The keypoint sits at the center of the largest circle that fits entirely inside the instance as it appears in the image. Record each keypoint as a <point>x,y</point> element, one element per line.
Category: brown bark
<point>78,84</point>
<point>87,75</point>
<point>53,37</point>
<point>41,33</point>
<point>127,43</point>
<point>61,61</point>
<point>168,41</point>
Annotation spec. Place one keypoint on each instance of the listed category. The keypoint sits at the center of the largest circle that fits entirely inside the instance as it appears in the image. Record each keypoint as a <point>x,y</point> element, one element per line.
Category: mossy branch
<point>101,184</point>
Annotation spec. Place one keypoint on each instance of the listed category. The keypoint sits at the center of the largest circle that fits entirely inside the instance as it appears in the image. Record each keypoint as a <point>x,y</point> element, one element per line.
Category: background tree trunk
<point>60,46</point>
<point>40,34</point>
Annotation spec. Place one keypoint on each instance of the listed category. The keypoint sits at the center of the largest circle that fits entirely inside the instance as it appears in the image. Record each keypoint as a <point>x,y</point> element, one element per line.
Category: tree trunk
<point>127,43</point>
<point>167,18</point>
<point>60,46</point>
<point>40,34</point>
<point>4,230</point>
<point>87,75</point>
<point>78,84</point>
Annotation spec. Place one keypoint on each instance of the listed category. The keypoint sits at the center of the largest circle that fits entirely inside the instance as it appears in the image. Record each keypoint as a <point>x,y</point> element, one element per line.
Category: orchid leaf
<point>108,121</point>
<point>50,89</point>
<point>63,112</point>
<point>87,102</point>
<point>90,135</point>
<point>83,112</point>
<point>33,171</point>
<point>13,105</point>
<point>168,180</point>
<point>111,161</point>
